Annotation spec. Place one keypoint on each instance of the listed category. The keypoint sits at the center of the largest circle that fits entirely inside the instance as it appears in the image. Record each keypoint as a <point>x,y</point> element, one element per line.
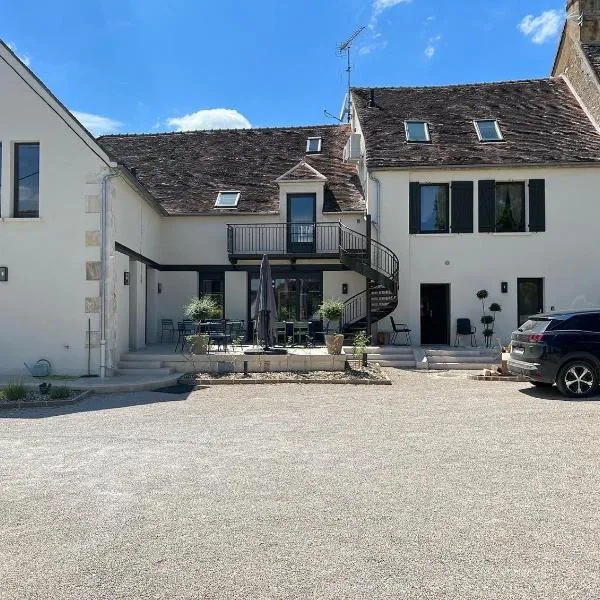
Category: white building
<point>102,239</point>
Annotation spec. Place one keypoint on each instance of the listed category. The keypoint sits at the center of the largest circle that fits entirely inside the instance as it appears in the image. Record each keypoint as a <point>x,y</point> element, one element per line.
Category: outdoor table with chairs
<point>222,333</point>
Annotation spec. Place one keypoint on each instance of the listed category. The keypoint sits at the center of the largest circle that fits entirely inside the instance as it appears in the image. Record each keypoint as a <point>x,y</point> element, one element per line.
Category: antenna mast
<point>345,47</point>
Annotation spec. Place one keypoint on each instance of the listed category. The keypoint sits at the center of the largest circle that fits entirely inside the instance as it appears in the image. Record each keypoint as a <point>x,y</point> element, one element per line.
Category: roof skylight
<point>417,131</point>
<point>488,130</point>
<point>227,199</point>
<point>313,145</point>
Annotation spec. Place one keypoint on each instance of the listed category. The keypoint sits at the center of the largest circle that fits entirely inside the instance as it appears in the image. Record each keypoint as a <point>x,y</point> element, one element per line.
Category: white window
<point>417,131</point>
<point>313,145</point>
<point>488,130</point>
<point>227,199</point>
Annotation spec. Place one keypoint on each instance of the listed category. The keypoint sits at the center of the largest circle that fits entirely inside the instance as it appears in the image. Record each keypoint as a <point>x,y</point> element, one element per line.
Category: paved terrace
<point>437,487</point>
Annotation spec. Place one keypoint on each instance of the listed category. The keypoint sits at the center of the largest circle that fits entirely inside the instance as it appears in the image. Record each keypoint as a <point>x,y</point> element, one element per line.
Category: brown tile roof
<point>541,122</point>
<point>185,171</point>
<point>302,171</point>
<point>592,53</point>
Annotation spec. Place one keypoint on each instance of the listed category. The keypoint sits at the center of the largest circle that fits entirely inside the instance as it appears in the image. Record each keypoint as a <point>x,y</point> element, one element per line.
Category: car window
<point>589,322</point>
<point>537,325</point>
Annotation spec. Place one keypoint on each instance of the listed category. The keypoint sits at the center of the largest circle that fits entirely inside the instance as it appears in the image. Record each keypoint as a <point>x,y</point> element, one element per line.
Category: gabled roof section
<point>541,121</point>
<point>185,171</point>
<point>302,171</point>
<point>592,53</point>
<point>38,87</point>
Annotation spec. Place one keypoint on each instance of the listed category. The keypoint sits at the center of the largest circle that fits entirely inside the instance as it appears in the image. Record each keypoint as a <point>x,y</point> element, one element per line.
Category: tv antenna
<point>341,48</point>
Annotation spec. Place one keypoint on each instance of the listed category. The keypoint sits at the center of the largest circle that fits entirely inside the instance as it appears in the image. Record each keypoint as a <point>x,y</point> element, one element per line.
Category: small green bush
<point>12,392</point>
<point>332,310</point>
<point>201,308</point>
<point>495,307</point>
<point>487,319</point>
<point>59,393</point>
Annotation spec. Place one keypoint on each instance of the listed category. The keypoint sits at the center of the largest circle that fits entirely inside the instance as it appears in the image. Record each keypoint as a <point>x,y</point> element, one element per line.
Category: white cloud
<point>97,124</point>
<point>26,60</point>
<point>543,27</point>
<point>431,48</point>
<point>379,6</point>
<point>212,118</point>
<point>368,48</point>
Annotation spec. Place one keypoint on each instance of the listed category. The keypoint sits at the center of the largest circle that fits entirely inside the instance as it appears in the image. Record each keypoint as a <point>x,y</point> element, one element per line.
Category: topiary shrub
<point>332,310</point>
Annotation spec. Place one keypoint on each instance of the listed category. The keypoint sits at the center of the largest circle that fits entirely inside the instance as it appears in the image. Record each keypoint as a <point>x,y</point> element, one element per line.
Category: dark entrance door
<point>435,313</point>
<point>301,217</point>
<point>530,298</point>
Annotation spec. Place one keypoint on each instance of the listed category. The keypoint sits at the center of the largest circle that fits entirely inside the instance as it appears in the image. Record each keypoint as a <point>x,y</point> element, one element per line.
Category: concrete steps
<point>142,366</point>
<point>465,359</point>
<point>399,357</point>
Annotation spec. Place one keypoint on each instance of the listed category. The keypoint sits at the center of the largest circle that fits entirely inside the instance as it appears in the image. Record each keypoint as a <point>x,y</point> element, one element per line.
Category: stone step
<point>139,364</point>
<point>387,350</point>
<point>397,364</point>
<point>457,366</point>
<point>474,352</point>
<point>162,371</point>
<point>481,360</point>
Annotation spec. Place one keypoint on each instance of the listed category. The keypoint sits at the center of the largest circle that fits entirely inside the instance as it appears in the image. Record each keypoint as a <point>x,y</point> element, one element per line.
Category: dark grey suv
<point>560,347</point>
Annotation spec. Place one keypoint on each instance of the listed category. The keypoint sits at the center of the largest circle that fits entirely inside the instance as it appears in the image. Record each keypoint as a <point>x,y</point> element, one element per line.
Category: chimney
<point>371,103</point>
<point>584,20</point>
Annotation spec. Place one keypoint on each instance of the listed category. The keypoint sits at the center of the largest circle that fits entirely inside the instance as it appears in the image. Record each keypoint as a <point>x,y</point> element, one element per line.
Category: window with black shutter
<point>462,207</point>
<point>487,201</point>
<point>537,205</point>
<point>414,208</point>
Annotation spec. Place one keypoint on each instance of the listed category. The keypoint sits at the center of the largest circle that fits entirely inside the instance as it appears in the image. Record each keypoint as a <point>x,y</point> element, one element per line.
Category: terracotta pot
<point>334,343</point>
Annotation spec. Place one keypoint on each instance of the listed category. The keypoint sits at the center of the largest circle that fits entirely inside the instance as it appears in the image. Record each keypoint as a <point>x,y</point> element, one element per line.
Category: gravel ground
<point>437,487</point>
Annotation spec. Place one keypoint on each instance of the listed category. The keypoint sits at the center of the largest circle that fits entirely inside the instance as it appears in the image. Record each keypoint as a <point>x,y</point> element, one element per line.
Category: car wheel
<point>577,379</point>
<point>542,384</point>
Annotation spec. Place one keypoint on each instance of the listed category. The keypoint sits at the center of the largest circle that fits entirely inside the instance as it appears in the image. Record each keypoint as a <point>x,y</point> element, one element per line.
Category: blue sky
<point>156,65</point>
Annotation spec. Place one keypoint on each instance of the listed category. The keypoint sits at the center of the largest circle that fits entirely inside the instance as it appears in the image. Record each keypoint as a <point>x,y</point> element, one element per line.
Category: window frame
<point>319,145</point>
<point>525,188</point>
<point>480,136</point>
<point>447,230</point>
<point>15,191</point>
<point>228,206</point>
<point>426,129</point>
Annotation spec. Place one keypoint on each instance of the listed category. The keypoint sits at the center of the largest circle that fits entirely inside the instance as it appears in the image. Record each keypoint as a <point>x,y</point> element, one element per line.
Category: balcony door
<point>301,218</point>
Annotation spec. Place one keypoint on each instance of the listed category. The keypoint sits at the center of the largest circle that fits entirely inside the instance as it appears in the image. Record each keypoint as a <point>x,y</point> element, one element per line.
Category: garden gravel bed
<point>34,398</point>
<point>370,375</point>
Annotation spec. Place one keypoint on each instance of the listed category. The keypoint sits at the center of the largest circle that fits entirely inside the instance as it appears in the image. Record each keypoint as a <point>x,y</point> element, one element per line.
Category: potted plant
<point>333,310</point>
<point>199,309</point>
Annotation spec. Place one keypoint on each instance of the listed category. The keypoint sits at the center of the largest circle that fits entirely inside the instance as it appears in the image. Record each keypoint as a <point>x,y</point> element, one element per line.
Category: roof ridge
<point>236,129</point>
<point>455,85</point>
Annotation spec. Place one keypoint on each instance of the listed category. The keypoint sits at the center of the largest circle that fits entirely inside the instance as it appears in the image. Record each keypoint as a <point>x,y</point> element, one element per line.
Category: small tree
<point>332,310</point>
<point>201,308</point>
<point>488,321</point>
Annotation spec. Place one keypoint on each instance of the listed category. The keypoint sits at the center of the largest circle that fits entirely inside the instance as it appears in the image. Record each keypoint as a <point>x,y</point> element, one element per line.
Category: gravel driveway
<point>436,487</point>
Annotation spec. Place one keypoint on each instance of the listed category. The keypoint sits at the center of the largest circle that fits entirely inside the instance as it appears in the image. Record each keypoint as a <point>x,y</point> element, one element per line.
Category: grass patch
<point>12,392</point>
<point>59,393</point>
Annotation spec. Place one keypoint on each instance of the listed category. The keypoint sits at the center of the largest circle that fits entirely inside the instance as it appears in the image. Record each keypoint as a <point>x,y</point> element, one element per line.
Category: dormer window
<point>488,130</point>
<point>417,131</point>
<point>313,145</point>
<point>227,199</point>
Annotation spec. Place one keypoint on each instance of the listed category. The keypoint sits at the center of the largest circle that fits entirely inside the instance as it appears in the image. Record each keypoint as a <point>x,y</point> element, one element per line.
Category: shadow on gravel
<point>544,393</point>
<point>96,402</point>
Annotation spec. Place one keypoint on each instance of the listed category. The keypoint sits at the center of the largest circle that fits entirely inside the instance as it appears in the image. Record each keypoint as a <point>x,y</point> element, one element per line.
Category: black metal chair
<point>464,327</point>
<point>184,328</point>
<point>235,331</point>
<point>217,334</point>
<point>167,326</point>
<point>400,328</point>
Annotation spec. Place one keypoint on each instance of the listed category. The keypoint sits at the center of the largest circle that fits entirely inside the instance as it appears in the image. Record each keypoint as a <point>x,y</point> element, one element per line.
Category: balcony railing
<point>283,239</point>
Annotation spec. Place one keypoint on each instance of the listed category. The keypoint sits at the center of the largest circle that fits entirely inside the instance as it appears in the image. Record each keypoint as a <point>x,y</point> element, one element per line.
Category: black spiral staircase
<point>380,266</point>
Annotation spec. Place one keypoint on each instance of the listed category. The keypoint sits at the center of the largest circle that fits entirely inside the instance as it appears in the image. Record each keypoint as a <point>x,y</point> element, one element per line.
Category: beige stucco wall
<point>566,255</point>
<point>43,304</point>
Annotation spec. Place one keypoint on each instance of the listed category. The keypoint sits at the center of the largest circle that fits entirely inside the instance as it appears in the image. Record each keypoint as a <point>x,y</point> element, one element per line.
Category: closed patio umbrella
<point>265,309</point>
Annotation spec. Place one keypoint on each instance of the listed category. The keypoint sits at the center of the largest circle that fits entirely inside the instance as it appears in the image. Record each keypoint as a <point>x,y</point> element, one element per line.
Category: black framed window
<point>213,285</point>
<point>27,180</point>
<point>510,207</point>
<point>435,208</point>
<point>297,295</point>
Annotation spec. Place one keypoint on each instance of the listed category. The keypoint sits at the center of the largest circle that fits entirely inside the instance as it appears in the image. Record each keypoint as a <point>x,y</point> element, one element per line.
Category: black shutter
<point>537,205</point>
<point>414,208</point>
<point>462,207</point>
<point>487,205</point>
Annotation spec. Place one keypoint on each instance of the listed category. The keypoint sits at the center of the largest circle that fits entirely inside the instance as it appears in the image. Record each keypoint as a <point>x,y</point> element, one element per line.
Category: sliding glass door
<point>301,217</point>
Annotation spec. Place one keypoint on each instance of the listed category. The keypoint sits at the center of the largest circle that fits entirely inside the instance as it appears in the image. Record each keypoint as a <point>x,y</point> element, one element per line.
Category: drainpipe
<point>103,267</point>
<point>376,221</point>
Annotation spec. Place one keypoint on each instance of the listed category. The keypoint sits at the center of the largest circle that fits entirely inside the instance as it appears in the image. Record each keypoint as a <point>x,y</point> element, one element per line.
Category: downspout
<point>376,221</point>
<point>103,267</point>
